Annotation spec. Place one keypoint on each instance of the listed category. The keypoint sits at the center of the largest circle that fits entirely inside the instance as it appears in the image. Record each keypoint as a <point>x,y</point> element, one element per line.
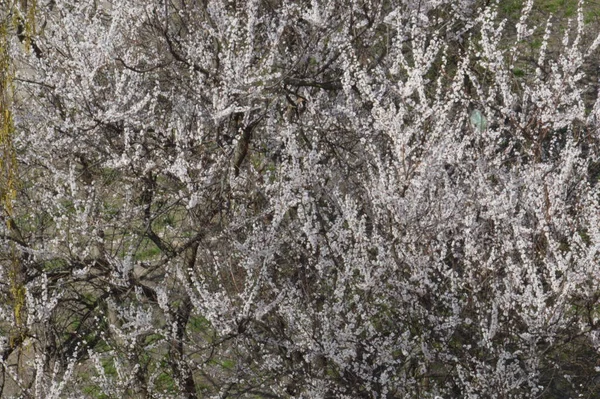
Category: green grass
<point>228,364</point>
<point>518,72</point>
<point>54,265</point>
<point>567,8</point>
<point>147,251</point>
<point>198,324</point>
<point>511,8</point>
<point>165,383</point>
<point>108,365</point>
<point>152,339</point>
<point>95,391</point>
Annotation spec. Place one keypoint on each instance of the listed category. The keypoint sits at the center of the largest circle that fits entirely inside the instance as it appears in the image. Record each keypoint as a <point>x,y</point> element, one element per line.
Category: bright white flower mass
<point>299,199</point>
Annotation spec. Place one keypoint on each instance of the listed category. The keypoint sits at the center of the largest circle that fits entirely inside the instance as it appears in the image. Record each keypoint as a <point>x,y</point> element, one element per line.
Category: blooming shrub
<point>308,199</point>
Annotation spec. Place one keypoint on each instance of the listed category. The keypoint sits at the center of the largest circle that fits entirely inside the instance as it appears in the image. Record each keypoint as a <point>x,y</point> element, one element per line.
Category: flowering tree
<point>308,199</point>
